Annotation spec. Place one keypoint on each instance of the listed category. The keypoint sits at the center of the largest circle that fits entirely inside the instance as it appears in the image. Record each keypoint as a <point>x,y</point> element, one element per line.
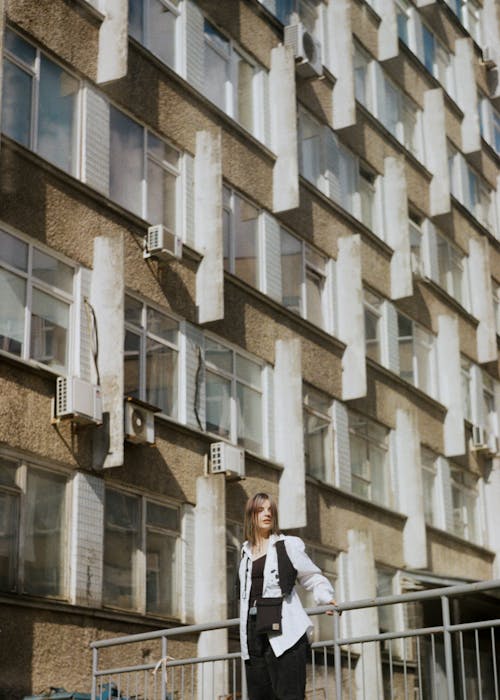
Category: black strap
<point>287,571</point>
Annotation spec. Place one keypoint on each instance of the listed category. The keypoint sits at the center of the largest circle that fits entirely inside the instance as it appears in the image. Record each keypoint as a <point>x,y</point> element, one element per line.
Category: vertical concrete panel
<point>87,539</point>
<point>362,583</point>
<point>350,317</point>
<point>289,433</point>
<point>284,129</point>
<point>208,225</point>
<point>397,231</point>
<point>467,95</point>
<point>450,388</point>
<point>436,151</point>
<point>481,298</point>
<point>210,576</point>
<point>388,39</point>
<point>492,512</point>
<point>188,576</point>
<point>411,498</point>
<point>490,30</point>
<point>340,63</point>
<point>113,42</point>
<point>107,299</point>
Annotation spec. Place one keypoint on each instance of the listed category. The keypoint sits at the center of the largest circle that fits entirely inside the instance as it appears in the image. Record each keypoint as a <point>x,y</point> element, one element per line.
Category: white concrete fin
<point>112,58</point>
<point>450,386</point>
<point>436,151</point>
<point>284,129</point>
<point>467,95</point>
<point>490,31</point>
<point>397,228</point>
<point>96,162</point>
<point>411,496</point>
<point>351,327</point>
<point>87,540</point>
<point>482,299</point>
<point>188,525</point>
<point>388,39</point>
<point>289,432</point>
<point>339,60</point>
<point>492,511</point>
<point>108,298</point>
<point>208,225</point>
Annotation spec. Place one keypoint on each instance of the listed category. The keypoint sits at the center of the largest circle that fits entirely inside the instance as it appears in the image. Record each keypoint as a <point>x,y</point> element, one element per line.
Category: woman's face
<point>264,518</point>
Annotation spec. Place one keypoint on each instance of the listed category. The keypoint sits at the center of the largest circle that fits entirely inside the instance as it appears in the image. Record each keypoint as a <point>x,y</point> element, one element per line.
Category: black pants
<point>271,677</point>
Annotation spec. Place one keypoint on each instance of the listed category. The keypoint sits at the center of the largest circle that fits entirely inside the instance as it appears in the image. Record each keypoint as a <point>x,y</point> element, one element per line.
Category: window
<point>403,20</point>
<point>489,122</point>
<point>234,540</point>
<point>33,514</point>
<point>400,115</point>
<point>40,103</point>
<point>468,11</point>
<point>370,469</point>
<point>373,317</point>
<point>36,294</point>
<point>367,199</point>
<point>430,488</point>
<point>318,435</point>
<point>303,283</point>
<point>154,23</point>
<point>464,502</point>
<point>386,613</point>
<point>452,270</point>
<point>141,554</point>
<point>234,401</point>
<point>144,171</point>
<point>496,305</point>
<point>312,166</point>
<point>241,237</point>
<point>362,86</point>
<point>489,417</point>
<point>437,60</point>
<point>417,261</point>
<point>466,383</point>
<point>151,356</point>
<point>416,355</point>
<point>232,81</point>
<point>470,190</point>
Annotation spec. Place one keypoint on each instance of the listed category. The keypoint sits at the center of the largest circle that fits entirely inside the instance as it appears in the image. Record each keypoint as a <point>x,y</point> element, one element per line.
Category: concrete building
<point>321,290</point>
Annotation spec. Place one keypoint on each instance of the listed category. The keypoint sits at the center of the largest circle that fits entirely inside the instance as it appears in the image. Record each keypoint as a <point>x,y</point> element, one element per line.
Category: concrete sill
<point>451,301</point>
<point>477,224</point>
<point>455,540</point>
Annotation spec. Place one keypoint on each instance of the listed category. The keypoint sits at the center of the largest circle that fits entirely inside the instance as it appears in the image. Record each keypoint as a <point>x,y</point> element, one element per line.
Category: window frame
<point>378,312</point>
<point>145,39</point>
<point>465,490</point>
<point>420,337</point>
<point>387,467</point>
<point>229,209</point>
<point>455,259</point>
<point>309,410</point>
<point>429,466</point>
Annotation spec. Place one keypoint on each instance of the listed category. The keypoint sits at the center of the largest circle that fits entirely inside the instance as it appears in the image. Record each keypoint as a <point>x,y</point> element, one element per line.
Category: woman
<point>275,663</point>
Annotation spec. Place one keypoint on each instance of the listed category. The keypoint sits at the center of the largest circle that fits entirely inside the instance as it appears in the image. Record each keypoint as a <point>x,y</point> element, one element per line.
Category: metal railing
<point>439,661</point>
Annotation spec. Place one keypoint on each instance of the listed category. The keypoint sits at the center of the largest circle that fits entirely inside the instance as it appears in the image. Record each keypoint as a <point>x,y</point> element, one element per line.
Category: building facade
<point>321,289</point>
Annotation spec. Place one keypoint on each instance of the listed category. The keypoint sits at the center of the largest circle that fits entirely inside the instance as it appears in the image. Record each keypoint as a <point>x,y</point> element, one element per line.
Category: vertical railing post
<point>95,653</point>
<point>164,646</point>
<point>448,651</point>
<point>337,655</point>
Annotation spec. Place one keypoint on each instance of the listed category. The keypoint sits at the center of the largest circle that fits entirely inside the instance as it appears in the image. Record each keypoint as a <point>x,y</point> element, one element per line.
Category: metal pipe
<point>448,651</point>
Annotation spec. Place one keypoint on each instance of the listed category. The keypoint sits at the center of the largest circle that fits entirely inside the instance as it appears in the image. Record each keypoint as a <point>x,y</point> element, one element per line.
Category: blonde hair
<point>251,512</point>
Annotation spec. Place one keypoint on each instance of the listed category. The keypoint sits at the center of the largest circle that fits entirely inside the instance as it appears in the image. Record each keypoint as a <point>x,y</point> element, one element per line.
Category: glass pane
<point>218,405</point>
<point>162,151</point>
<point>248,371</point>
<point>9,527</point>
<point>359,456</point>
<point>52,271</point>
<point>367,196</point>
<point>19,48</point>
<point>126,161</point>
<point>316,444</point>
<point>291,271</point>
<point>318,401</point>
<point>310,149</point>
<point>161,196</point>
<point>162,326</point>
<point>133,311</point>
<point>161,32</point>
<point>314,297</point>
<point>161,377</point>
<point>12,314</point>
<point>162,516</point>
<point>121,544</point>
<point>244,112</point>
<point>57,116</point>
<point>406,360</point>
<point>429,49</point>
<point>132,364</point>
<point>428,479</point>
<point>161,574</point>
<point>372,335</point>
<point>402,22</point>
<point>219,355</point>
<point>226,236</point>
<point>360,77</point>
<point>16,103</point>
<point>44,548</point>
<point>135,19</point>
<point>249,407</point>
<point>245,241</point>
<point>380,491</point>
<point>216,66</point>
<point>8,469</point>
<point>13,251</point>
<point>49,330</point>
<point>423,351</point>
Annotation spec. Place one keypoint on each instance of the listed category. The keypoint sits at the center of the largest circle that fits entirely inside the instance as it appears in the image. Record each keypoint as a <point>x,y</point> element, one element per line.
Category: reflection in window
<point>154,23</point>
<point>241,241</point>
<point>318,435</point>
<point>416,354</point>
<point>464,503</point>
<point>372,319</point>
<point>452,270</point>
<point>39,103</point>
<point>369,447</point>
<point>121,549</point>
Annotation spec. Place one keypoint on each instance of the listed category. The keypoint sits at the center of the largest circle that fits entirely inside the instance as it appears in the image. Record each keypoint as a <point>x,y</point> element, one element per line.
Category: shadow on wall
<point>16,652</point>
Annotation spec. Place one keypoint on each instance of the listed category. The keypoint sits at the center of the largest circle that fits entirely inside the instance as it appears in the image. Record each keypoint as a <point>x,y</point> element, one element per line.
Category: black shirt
<point>257,578</point>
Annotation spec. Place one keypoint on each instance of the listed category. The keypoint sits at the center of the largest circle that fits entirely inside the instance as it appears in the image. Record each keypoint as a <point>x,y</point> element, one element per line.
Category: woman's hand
<point>330,612</point>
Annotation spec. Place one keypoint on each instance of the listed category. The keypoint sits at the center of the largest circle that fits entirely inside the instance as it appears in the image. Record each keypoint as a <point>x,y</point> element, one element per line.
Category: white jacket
<point>294,619</point>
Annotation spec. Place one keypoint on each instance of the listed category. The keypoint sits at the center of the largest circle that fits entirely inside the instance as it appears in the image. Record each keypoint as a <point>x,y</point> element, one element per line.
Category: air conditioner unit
<point>161,243</point>
<point>488,57</point>
<point>479,438</point>
<point>78,400</point>
<point>139,421</point>
<point>306,49</point>
<point>227,458</point>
